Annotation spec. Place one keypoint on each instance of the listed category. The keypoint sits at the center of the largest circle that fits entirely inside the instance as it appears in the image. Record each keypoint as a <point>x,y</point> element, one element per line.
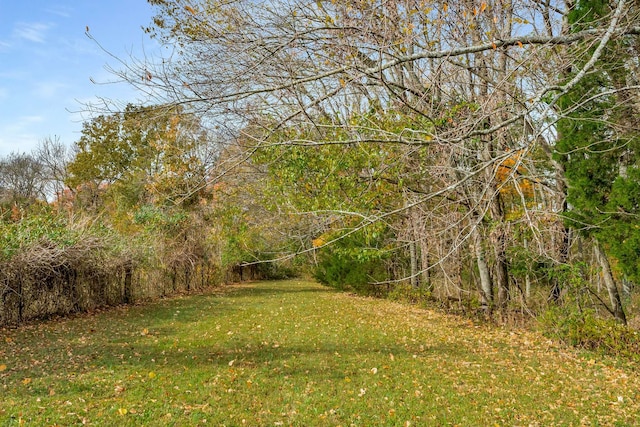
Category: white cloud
<point>81,47</point>
<point>60,10</point>
<point>19,135</point>
<point>23,125</point>
<point>21,143</point>
<point>48,89</point>
<point>35,32</point>
<point>24,122</point>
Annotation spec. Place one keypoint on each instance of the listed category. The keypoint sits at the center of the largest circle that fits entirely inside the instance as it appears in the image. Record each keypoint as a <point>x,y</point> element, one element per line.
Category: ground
<point>297,353</point>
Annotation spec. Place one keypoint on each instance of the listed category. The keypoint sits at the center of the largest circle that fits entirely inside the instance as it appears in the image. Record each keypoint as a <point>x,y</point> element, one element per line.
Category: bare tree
<point>21,178</point>
<point>478,83</point>
<point>54,156</point>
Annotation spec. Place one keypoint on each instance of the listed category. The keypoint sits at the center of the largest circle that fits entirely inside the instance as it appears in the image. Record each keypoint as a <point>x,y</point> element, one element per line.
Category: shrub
<point>585,329</point>
<point>353,262</point>
<point>406,293</point>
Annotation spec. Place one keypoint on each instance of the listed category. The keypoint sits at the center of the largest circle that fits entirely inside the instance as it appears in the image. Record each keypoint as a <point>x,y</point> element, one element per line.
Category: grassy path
<point>296,353</point>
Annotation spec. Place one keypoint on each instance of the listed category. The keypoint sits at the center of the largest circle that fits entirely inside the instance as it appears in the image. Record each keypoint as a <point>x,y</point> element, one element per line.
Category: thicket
<point>484,156</point>
<point>55,263</point>
<point>135,217</point>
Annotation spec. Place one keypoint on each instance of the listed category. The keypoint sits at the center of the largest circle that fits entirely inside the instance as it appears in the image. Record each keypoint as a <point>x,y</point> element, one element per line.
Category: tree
<point>142,155</point>
<point>480,81</point>
<point>21,178</point>
<point>598,145</point>
<point>54,157</point>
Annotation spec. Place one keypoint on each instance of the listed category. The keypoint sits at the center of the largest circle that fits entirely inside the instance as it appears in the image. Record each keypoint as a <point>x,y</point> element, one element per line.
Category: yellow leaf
<point>520,43</point>
<point>122,411</point>
<point>3,368</point>
<point>152,375</point>
<point>26,381</point>
<point>145,331</point>
<point>190,10</point>
<point>483,6</point>
<point>317,242</point>
<point>445,7</point>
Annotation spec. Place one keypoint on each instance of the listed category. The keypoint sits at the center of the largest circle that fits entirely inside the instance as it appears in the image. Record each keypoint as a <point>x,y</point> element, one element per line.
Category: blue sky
<point>47,61</point>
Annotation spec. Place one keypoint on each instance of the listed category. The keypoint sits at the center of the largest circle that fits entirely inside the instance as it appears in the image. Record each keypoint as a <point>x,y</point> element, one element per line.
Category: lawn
<point>296,353</point>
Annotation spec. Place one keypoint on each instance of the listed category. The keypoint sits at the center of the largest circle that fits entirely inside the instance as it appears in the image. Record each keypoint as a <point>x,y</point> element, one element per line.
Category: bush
<point>406,293</point>
<point>589,331</point>
<point>353,262</point>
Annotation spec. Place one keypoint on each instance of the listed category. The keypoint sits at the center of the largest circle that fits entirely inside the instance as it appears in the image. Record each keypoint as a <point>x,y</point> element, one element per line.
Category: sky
<point>47,64</point>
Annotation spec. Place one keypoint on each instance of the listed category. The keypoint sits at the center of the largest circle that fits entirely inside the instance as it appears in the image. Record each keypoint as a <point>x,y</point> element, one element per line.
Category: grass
<point>295,353</point>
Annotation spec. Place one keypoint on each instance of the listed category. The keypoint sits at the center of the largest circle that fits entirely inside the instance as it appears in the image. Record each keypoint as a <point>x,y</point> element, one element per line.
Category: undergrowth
<point>587,330</point>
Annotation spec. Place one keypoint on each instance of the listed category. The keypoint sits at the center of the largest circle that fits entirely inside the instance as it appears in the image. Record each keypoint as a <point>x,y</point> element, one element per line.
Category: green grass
<point>295,353</point>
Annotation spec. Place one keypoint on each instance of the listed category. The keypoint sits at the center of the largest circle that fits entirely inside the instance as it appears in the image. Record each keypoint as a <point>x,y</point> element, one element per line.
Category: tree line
<point>128,213</point>
<point>484,151</point>
<point>481,154</point>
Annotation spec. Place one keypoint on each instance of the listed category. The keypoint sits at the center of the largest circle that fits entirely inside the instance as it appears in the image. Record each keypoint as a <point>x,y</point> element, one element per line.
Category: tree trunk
<point>563,258</point>
<point>527,277</point>
<point>128,285</point>
<point>425,262</point>
<point>612,288</point>
<point>415,282</point>
<point>502,271</point>
<point>486,286</point>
